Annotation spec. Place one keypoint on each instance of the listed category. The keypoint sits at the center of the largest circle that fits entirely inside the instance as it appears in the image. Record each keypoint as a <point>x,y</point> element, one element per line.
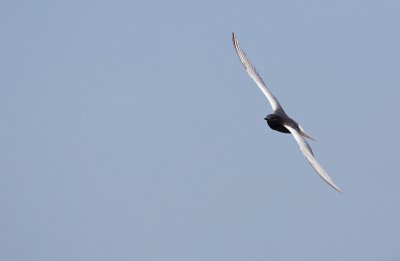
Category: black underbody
<point>275,122</point>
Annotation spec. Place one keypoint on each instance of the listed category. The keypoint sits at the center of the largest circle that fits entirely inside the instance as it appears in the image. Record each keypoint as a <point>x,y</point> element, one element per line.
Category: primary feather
<point>306,150</point>
<point>251,70</point>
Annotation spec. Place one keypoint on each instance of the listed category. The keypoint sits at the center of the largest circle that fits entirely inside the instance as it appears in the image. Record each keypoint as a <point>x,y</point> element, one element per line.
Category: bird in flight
<point>279,120</point>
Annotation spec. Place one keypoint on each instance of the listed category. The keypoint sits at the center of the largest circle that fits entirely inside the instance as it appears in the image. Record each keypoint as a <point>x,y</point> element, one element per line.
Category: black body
<point>278,118</point>
<point>275,122</point>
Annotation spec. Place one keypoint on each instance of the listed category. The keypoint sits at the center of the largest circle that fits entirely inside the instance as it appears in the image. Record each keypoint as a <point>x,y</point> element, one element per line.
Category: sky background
<point>130,130</point>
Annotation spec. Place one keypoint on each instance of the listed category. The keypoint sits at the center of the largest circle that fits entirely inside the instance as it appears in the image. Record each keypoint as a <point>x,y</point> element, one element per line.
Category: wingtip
<point>328,180</point>
<point>338,190</point>
<point>335,187</point>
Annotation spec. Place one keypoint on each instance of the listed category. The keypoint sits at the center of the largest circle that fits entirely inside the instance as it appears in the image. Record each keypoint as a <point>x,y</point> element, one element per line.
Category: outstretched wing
<point>306,150</point>
<point>254,74</point>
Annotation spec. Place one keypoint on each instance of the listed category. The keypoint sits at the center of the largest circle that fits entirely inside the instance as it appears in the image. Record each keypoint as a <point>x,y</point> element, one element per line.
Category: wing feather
<point>306,150</point>
<point>251,70</point>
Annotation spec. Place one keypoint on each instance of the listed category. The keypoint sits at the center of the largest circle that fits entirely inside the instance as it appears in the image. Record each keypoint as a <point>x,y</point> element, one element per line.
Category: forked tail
<point>304,134</point>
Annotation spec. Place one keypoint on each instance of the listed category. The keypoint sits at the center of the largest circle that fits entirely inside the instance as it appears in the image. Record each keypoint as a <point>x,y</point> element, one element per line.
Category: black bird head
<point>273,118</point>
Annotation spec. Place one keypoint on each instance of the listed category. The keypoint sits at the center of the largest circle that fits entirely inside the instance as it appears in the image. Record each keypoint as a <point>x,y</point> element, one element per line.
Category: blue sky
<point>130,130</point>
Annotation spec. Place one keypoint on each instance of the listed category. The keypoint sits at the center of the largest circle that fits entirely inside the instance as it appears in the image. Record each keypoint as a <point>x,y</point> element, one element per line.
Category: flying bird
<point>279,120</point>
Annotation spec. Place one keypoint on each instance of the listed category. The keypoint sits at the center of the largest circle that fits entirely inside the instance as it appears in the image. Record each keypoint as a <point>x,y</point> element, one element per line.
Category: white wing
<point>306,150</point>
<point>254,74</point>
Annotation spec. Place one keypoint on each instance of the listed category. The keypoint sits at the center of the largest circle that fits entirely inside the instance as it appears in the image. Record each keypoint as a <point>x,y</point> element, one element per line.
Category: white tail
<point>304,134</point>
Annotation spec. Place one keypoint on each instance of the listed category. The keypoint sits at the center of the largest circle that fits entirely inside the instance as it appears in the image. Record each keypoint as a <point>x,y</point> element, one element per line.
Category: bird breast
<point>275,123</point>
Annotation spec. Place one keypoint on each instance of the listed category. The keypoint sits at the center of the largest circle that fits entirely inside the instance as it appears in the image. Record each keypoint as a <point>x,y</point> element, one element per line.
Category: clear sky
<point>130,131</point>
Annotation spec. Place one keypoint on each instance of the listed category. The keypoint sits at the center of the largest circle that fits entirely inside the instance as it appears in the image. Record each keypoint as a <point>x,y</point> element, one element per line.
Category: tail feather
<point>304,134</point>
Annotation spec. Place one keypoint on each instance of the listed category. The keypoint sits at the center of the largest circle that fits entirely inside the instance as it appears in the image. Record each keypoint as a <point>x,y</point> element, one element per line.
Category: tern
<point>279,120</point>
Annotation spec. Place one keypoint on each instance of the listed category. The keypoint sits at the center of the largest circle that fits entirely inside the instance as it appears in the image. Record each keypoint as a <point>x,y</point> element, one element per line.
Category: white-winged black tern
<point>279,120</point>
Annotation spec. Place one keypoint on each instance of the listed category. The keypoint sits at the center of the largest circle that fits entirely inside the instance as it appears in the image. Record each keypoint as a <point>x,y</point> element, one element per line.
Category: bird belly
<point>278,127</point>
